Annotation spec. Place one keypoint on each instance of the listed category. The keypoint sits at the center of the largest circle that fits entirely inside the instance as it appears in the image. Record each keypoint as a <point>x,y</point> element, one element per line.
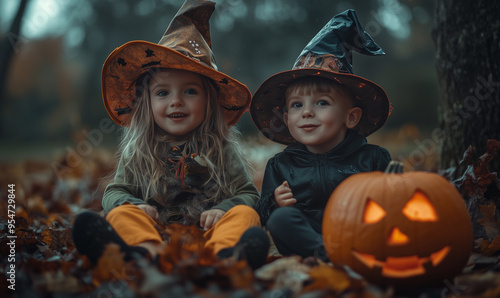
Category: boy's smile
<point>309,127</point>
<point>178,101</point>
<point>318,120</point>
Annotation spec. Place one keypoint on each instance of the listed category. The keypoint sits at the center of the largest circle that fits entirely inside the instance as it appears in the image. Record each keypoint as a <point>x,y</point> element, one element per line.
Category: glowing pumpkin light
<point>398,228</point>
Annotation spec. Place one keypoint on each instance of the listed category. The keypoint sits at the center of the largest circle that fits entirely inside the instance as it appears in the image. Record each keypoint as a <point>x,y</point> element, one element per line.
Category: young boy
<point>324,113</point>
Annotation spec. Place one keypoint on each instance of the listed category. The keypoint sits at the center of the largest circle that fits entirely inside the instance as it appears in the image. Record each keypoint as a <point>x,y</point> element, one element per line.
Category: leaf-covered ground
<point>45,263</point>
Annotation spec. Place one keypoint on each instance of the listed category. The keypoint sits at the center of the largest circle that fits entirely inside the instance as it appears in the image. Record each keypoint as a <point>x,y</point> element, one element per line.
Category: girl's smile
<point>176,115</point>
<point>178,101</point>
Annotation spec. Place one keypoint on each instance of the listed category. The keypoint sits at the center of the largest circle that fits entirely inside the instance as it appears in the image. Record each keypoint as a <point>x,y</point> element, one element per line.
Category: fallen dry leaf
<point>490,244</point>
<point>479,262</point>
<point>478,285</point>
<point>287,272</point>
<point>46,237</point>
<point>58,282</point>
<point>325,277</point>
<point>476,178</point>
<point>489,220</point>
<point>184,242</point>
<point>489,248</point>
<point>154,280</point>
<point>36,204</point>
<point>237,274</point>
<point>110,266</point>
<point>273,270</point>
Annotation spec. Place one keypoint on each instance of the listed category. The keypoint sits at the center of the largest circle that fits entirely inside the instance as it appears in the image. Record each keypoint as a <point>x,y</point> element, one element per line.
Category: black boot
<point>92,232</point>
<point>253,247</point>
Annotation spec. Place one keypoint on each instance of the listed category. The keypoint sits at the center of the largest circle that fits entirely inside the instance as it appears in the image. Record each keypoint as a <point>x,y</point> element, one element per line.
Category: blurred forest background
<point>51,104</point>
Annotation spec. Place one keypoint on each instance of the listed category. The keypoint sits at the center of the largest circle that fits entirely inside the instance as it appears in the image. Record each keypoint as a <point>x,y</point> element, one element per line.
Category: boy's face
<point>318,120</point>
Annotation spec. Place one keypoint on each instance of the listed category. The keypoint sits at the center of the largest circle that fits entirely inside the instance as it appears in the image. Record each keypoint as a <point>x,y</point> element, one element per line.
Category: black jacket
<point>313,177</point>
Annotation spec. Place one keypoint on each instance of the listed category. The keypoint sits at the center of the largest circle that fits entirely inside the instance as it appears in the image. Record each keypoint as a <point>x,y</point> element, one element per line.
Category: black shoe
<point>253,247</point>
<point>92,232</point>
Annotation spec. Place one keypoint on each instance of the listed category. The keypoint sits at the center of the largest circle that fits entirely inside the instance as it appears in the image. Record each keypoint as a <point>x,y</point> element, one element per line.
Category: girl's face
<point>178,101</point>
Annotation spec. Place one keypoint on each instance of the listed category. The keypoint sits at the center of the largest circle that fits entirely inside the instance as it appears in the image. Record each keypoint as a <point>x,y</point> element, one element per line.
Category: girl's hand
<point>283,195</point>
<point>210,217</point>
<point>150,210</point>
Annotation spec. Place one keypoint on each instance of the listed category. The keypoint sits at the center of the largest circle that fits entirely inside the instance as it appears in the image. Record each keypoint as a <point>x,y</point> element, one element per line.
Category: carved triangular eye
<point>419,208</point>
<point>373,212</point>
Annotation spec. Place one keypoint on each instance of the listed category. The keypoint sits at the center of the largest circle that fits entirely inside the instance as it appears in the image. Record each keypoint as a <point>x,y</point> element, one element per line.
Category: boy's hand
<point>150,210</point>
<point>283,195</point>
<point>210,217</point>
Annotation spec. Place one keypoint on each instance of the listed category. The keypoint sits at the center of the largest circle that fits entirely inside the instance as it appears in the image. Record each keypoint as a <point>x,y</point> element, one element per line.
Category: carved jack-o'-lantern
<point>394,228</point>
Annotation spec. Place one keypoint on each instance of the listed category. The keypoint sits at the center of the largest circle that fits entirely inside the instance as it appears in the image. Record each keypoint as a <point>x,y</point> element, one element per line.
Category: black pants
<point>294,233</point>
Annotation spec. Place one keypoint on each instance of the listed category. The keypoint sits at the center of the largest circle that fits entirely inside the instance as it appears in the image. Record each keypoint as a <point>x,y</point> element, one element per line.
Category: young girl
<point>179,159</point>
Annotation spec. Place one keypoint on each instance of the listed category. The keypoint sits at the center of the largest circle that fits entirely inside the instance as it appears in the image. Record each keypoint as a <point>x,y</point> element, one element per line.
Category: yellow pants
<point>134,226</point>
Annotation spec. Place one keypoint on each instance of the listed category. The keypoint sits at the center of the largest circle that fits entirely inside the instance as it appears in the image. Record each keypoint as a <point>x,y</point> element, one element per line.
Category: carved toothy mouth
<point>402,267</point>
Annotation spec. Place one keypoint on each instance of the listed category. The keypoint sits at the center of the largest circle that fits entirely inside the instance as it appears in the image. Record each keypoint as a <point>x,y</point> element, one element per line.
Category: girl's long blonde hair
<point>143,144</point>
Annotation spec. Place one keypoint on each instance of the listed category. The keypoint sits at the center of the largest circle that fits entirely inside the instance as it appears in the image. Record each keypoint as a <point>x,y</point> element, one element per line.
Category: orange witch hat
<point>185,45</point>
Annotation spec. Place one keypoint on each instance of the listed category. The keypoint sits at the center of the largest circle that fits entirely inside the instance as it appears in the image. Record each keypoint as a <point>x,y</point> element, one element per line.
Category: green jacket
<point>187,195</point>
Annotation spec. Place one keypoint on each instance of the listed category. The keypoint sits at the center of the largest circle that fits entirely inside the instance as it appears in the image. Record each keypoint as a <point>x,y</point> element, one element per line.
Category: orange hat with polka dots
<point>185,45</point>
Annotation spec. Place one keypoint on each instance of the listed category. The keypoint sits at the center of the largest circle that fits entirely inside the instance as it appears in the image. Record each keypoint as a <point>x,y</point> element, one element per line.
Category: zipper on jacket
<point>322,172</point>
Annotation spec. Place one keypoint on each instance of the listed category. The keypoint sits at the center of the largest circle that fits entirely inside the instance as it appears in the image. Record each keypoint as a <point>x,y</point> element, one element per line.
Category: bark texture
<point>8,45</point>
<point>467,43</point>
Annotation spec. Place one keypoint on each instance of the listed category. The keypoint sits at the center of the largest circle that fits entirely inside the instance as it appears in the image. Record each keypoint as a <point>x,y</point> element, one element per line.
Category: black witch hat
<point>327,55</point>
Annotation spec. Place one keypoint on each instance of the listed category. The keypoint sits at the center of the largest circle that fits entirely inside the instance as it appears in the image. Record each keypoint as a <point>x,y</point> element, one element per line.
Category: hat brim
<point>126,64</point>
<point>268,102</point>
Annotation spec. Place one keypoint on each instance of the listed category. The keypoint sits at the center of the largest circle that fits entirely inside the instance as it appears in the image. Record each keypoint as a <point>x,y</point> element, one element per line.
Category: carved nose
<point>396,237</point>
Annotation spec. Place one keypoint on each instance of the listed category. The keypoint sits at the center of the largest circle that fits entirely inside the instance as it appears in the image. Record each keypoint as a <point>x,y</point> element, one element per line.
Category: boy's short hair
<point>312,84</point>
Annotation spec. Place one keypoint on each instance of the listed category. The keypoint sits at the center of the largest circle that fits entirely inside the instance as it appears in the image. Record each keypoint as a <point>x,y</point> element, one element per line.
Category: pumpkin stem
<point>394,167</point>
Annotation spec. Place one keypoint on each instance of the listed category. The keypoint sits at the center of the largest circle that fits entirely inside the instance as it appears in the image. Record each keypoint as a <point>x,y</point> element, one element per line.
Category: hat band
<point>328,62</point>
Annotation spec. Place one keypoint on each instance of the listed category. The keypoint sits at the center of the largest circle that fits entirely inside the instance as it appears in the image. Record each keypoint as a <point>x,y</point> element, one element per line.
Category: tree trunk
<point>7,47</point>
<point>9,44</point>
<point>467,42</point>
